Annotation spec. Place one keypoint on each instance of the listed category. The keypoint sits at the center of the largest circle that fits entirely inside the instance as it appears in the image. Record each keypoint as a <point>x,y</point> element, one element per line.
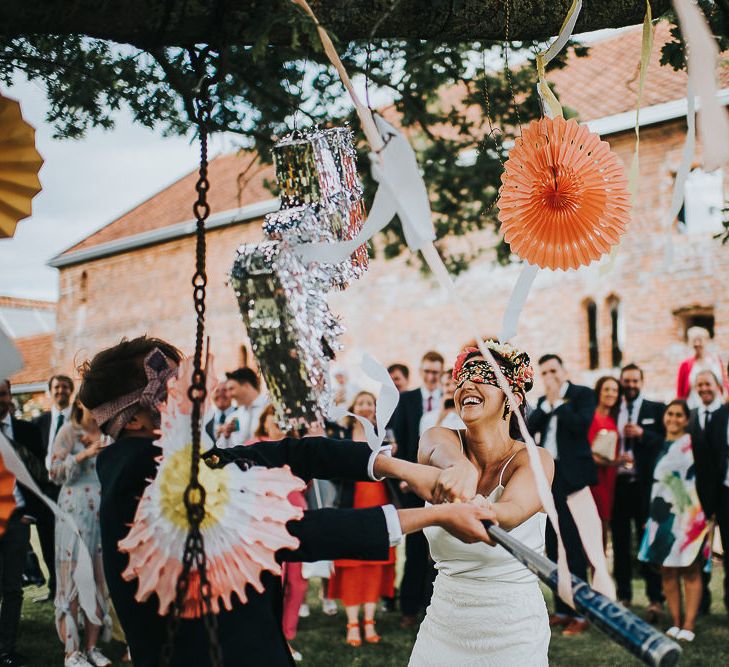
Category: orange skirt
<point>359,584</point>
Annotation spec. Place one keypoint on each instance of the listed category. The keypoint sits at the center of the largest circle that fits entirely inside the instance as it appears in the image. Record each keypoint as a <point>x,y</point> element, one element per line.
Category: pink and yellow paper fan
<point>244,525</point>
<point>564,197</point>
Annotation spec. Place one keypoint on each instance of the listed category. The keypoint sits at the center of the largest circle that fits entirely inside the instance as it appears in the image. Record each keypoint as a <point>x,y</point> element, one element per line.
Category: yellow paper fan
<point>20,163</point>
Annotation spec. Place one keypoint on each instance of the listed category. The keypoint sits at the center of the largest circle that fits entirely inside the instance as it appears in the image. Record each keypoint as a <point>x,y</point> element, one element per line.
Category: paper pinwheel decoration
<point>564,197</point>
<point>244,525</point>
<point>19,167</point>
<point>7,499</point>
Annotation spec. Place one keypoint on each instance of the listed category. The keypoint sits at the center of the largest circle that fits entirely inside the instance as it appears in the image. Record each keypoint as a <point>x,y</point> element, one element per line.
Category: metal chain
<point>194,559</point>
<point>506,65</point>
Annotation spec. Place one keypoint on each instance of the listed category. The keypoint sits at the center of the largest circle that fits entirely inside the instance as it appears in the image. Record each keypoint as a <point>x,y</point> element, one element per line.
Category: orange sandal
<point>356,643</point>
<point>374,639</point>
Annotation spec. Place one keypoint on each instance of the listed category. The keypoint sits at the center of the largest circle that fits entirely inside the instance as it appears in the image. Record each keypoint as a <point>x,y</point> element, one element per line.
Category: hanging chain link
<point>194,559</point>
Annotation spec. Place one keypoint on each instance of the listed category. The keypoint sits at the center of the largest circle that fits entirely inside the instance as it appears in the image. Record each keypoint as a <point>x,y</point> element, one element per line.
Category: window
<point>694,316</point>
<point>703,202</point>
<point>84,287</point>
<point>593,350</point>
<point>616,333</point>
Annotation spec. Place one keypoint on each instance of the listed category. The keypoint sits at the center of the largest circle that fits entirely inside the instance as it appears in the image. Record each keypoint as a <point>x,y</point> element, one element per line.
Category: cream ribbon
<point>408,194</point>
<point>386,403</point>
<point>702,56</point>
<point>83,574</point>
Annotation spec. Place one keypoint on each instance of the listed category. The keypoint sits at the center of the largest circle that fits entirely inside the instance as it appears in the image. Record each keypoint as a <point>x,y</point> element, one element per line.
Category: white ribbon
<point>517,300</point>
<point>702,56</point>
<point>386,403</point>
<point>83,574</point>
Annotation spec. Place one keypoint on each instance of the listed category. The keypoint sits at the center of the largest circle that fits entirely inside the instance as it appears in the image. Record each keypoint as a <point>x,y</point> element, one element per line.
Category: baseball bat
<point>618,623</point>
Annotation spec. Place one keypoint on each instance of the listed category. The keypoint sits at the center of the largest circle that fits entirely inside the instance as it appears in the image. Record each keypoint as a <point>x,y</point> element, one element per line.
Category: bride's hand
<point>465,521</point>
<point>456,482</point>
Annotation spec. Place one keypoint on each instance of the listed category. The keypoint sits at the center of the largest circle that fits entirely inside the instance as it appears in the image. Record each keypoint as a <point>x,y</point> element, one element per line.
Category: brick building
<point>133,275</point>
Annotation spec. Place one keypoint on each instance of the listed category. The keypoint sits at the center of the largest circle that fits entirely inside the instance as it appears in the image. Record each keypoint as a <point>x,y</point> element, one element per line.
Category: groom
<point>249,633</point>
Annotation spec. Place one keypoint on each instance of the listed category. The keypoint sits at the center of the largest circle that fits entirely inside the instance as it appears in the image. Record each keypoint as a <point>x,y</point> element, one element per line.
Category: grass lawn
<point>321,639</point>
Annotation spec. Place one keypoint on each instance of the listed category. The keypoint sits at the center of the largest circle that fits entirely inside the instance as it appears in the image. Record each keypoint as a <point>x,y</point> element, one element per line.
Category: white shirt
<point>451,420</point>
<point>392,520</point>
<point>711,408</point>
<point>53,431</point>
<point>434,397</point>
<point>247,416</point>
<point>622,422</point>
<point>550,436</point>
<point>6,428</point>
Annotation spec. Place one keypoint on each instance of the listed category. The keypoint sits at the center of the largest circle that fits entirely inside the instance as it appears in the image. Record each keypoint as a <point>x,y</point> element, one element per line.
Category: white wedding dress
<point>487,608</point>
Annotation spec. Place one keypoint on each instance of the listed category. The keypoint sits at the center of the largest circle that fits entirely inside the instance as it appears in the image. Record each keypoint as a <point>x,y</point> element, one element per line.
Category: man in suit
<point>60,388</point>
<point>400,376</point>
<point>709,391</point>
<point>244,388</point>
<point>562,419</point>
<point>711,454</point>
<point>15,541</point>
<point>641,434</point>
<point>416,586</point>
<point>216,418</point>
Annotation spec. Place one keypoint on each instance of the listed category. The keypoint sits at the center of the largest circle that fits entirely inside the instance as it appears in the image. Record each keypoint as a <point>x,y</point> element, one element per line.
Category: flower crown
<point>517,367</point>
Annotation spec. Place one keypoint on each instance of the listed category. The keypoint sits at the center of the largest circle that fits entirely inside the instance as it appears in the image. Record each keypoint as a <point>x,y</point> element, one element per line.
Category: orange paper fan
<point>7,498</point>
<point>564,197</point>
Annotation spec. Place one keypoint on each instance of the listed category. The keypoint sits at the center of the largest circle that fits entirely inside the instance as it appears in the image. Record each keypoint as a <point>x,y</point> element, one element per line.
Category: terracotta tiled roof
<point>605,82</point>
<point>37,353</point>
<point>236,180</point>
<point>31,304</point>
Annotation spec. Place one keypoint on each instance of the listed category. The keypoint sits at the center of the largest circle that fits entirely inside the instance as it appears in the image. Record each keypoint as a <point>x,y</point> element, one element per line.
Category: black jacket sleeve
<point>576,413</point>
<point>329,534</point>
<point>323,458</point>
<point>538,419</point>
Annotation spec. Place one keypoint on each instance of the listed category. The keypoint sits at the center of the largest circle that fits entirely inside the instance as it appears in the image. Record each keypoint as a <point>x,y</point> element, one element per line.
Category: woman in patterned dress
<point>73,466</point>
<point>675,534</point>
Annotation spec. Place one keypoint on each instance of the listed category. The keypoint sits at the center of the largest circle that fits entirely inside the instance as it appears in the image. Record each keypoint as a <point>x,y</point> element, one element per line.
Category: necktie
<point>628,442</point>
<point>221,418</point>
<point>707,417</point>
<point>429,404</point>
<point>59,422</point>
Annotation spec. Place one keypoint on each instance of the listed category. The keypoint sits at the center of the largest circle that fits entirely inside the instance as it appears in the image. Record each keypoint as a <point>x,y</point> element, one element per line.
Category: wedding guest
<point>360,583</point>
<point>709,391</point>
<point>712,478</point>
<point>603,435</point>
<point>344,390</point>
<point>416,586</point>
<point>676,530</point>
<point>73,466</point>
<point>703,359</point>
<point>400,375</point>
<point>249,633</point>
<point>25,438</point>
<point>446,416</point>
<point>218,415</point>
<point>244,388</point>
<point>60,388</point>
<point>640,427</point>
<point>562,419</point>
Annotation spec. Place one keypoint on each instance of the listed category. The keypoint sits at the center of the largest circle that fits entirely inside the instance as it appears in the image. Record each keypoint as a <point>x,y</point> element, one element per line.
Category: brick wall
<point>396,314</point>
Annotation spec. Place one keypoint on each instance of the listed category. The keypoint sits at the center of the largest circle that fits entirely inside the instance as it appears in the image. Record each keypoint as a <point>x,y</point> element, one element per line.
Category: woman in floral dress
<point>73,466</point>
<point>675,534</point>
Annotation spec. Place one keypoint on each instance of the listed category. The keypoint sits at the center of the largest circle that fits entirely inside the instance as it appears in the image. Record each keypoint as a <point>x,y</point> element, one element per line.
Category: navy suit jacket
<point>406,426</point>
<point>575,466</point>
<point>249,634</point>
<point>711,459</point>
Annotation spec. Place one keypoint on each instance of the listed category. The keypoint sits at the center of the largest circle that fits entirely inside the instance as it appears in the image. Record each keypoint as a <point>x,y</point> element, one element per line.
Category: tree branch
<point>149,23</point>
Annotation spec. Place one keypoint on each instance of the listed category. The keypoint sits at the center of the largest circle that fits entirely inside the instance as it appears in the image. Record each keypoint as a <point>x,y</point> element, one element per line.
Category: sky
<point>90,182</point>
<point>86,183</point>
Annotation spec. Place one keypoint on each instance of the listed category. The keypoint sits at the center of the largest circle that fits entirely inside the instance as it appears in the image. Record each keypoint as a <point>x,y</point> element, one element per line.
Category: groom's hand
<point>456,482</point>
<point>464,521</point>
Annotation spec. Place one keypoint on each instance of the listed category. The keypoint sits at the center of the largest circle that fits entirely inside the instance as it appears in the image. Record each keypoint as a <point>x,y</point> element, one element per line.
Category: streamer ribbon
<point>412,200</point>
<point>386,403</point>
<point>83,574</point>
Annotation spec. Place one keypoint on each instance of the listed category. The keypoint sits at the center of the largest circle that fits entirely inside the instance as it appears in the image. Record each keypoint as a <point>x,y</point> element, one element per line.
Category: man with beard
<point>640,427</point>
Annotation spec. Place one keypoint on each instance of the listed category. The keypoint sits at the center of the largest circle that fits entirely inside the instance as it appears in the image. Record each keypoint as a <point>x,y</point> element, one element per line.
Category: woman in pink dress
<point>703,360</point>
<point>603,437</point>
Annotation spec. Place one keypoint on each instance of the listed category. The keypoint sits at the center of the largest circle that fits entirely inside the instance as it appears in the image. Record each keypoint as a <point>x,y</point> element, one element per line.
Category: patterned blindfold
<point>516,367</point>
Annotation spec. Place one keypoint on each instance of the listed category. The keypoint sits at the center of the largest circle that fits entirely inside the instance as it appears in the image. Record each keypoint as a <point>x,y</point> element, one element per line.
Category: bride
<point>487,608</point>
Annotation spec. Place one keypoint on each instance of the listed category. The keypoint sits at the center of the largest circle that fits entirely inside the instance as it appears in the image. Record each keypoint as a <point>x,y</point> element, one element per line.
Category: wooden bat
<point>618,623</point>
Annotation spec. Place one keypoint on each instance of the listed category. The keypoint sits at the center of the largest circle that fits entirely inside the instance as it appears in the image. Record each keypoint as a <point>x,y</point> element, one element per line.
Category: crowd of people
<point>658,475</point>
